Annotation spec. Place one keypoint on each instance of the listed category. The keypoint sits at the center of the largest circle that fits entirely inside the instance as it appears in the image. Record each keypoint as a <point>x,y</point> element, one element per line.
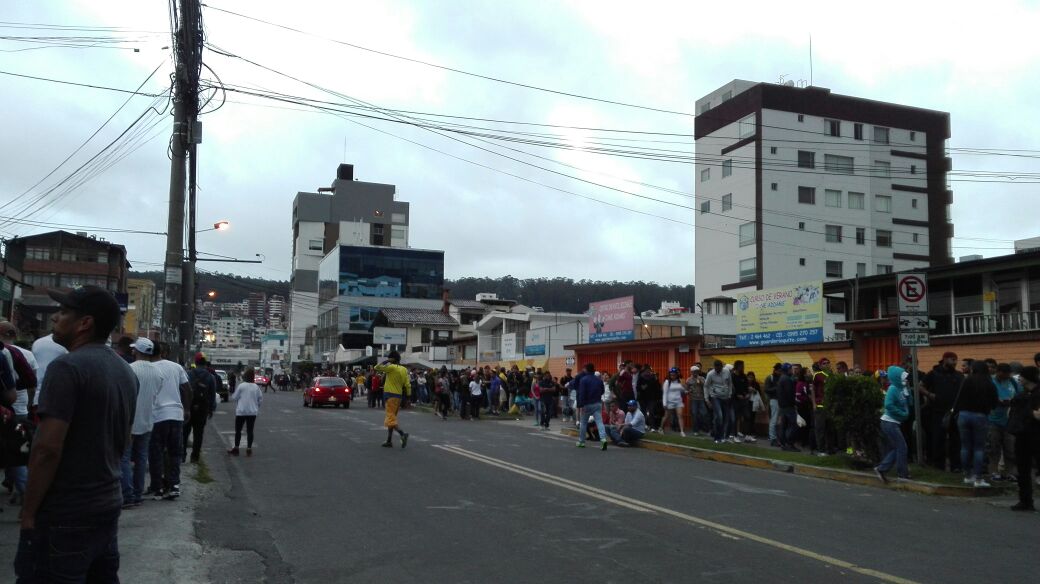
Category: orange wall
<point>1006,352</point>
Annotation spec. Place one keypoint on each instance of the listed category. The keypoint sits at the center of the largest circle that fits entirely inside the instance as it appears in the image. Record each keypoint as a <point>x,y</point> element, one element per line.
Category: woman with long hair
<point>975,400</point>
<point>672,391</point>
<point>248,398</point>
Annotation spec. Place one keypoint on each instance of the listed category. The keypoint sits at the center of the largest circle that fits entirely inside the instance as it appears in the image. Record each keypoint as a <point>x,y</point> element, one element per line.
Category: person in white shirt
<point>45,350</point>
<point>172,407</point>
<point>475,395</point>
<point>135,458</point>
<point>17,476</point>
<point>672,391</point>
<point>248,397</point>
<point>635,424</point>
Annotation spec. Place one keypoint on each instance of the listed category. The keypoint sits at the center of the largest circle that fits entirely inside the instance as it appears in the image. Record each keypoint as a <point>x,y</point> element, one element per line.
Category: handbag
<point>756,403</point>
<point>949,420</point>
<point>801,421</point>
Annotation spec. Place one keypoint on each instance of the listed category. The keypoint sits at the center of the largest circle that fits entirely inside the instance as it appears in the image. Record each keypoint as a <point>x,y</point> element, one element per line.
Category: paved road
<point>499,501</point>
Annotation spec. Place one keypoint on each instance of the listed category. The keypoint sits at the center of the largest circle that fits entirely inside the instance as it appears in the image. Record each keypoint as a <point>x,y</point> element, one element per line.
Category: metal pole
<point>190,289</point>
<point>918,434</point>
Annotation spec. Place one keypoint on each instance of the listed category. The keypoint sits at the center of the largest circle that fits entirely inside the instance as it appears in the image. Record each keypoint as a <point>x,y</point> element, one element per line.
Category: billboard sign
<point>383,335</point>
<point>612,320</point>
<point>509,346</point>
<point>781,316</point>
<point>534,346</point>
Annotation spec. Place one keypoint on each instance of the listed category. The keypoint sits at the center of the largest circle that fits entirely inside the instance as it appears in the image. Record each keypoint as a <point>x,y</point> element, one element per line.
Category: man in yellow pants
<point>396,388</point>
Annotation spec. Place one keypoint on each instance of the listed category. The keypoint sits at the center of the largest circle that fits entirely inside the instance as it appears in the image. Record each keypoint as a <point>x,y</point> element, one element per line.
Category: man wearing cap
<point>135,458</point>
<point>940,388</point>
<point>635,424</point>
<point>698,405</point>
<point>172,410</point>
<point>70,518</point>
<point>397,388</point>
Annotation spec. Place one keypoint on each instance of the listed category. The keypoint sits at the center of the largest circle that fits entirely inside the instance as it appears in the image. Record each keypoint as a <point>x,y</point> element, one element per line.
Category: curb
<point>844,476</point>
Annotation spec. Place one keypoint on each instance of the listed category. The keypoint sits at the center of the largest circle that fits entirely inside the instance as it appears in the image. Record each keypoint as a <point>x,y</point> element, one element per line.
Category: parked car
<point>224,389</point>
<point>327,391</point>
<point>262,380</point>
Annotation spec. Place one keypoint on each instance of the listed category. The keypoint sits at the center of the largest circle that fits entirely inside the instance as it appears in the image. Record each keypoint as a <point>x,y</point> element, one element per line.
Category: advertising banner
<point>612,320</point>
<point>509,346</point>
<point>780,316</point>
<point>382,335</point>
<point>534,346</point>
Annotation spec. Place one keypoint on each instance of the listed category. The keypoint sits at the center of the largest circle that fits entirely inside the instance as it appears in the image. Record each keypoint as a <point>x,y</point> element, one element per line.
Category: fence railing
<point>973,324</point>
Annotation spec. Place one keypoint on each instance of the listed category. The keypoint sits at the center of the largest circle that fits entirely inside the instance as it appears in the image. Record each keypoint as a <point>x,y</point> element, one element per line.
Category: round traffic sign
<point>912,288</point>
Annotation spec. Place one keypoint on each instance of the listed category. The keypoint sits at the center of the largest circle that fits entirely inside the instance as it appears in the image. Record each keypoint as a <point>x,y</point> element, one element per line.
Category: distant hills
<point>551,294</point>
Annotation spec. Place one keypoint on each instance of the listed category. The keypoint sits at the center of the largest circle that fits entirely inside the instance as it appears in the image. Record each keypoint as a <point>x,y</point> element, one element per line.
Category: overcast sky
<point>981,66</point>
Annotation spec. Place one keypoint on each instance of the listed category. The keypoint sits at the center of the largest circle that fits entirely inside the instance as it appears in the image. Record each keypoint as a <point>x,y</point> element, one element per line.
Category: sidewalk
<point>156,540</point>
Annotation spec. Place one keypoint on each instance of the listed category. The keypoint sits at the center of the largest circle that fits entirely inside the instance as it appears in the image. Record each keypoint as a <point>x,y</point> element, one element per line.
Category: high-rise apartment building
<point>797,183</point>
<point>350,212</point>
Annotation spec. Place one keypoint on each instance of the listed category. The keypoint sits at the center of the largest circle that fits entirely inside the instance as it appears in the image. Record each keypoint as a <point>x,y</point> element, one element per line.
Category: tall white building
<point>350,212</point>
<point>796,184</point>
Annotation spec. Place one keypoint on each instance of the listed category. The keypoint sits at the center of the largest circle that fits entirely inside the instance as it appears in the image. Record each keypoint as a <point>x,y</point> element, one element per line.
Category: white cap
<point>143,346</point>
<point>695,368</point>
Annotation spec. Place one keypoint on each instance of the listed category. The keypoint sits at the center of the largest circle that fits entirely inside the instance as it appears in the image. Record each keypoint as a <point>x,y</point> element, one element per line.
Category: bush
<point>854,405</point>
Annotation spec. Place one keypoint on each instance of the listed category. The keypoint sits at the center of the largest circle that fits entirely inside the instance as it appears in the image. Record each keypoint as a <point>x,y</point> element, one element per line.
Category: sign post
<point>912,291</point>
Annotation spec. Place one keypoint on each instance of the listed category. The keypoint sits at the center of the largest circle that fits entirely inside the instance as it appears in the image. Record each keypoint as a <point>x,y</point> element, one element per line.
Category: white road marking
<point>552,436</point>
<point>748,488</point>
<point>644,507</point>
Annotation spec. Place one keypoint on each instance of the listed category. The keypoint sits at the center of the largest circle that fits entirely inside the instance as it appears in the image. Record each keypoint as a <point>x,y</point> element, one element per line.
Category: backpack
<point>201,390</point>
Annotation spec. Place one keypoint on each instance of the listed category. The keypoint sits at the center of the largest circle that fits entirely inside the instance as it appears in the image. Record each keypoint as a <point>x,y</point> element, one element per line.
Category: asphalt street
<point>492,501</point>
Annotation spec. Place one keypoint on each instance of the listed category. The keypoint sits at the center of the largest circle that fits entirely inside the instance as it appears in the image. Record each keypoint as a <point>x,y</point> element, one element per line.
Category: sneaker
<point>173,493</point>
<point>733,439</point>
<point>131,504</point>
<point>969,480</point>
<point>683,434</point>
<point>739,435</point>
<point>387,444</point>
<point>249,452</point>
<point>151,491</point>
<point>603,444</point>
<point>404,439</point>
<point>880,475</point>
<point>1023,507</point>
<point>623,444</point>
<point>581,445</point>
<point>820,453</point>
<point>718,441</point>
<point>749,440</point>
<point>774,442</point>
<point>981,484</point>
<point>233,451</point>
<point>158,496</point>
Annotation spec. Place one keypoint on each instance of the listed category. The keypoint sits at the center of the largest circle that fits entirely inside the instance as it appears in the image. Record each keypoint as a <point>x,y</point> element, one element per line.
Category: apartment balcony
<point>975,324</point>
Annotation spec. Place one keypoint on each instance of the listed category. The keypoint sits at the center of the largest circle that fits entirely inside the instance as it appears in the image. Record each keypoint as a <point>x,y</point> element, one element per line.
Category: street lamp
<point>218,226</point>
<point>212,294</point>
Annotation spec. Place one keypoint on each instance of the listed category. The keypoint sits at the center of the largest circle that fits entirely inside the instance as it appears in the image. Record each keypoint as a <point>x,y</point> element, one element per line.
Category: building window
<point>857,131</point>
<point>727,96</point>
<point>704,107</point>
<point>801,226</point>
<point>882,169</point>
<point>832,127</point>
<point>801,118</point>
<point>801,261</point>
<point>839,164</point>
<point>727,168</point>
<point>913,169</point>
<point>807,195</point>
<point>806,159</point>
<point>748,269</point>
<point>38,253</point>
<point>398,218</point>
<point>856,200</point>
<point>883,203</point>
<point>833,269</point>
<point>747,234</point>
<point>914,237</point>
<point>727,202</point>
<point>833,234</point>
<point>884,238</point>
<point>398,235</point>
<point>832,198</point>
<point>880,135</point>
<point>772,149</point>
<point>913,136</point>
<point>705,207</point>
<point>774,186</point>
<point>861,236</point>
<point>861,269</point>
<point>884,269</point>
<point>705,174</point>
<point>913,203</point>
<point>314,245</point>
<point>746,127</point>
<point>835,306</point>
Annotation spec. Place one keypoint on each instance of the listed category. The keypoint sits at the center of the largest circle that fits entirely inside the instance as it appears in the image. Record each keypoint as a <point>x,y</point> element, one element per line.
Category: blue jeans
<point>896,455</point>
<point>81,550</point>
<point>133,479</point>
<point>165,446</point>
<point>537,411</point>
<point>972,427</point>
<point>699,410</point>
<point>631,436</point>
<point>723,422</point>
<point>595,410</point>
<point>774,417</point>
<point>790,421</point>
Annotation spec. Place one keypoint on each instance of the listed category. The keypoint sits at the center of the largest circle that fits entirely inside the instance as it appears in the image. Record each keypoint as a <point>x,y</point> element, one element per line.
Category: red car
<point>327,391</point>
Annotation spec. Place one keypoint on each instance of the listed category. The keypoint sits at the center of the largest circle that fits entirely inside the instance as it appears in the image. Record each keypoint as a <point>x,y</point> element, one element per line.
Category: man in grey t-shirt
<point>718,388</point>
<point>70,517</point>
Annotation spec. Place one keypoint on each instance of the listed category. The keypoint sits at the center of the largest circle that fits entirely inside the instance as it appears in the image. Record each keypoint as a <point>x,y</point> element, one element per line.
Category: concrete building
<point>276,311</point>
<point>350,212</point>
<point>232,332</point>
<point>60,260</point>
<point>797,183</point>
<point>257,303</point>
<point>274,348</point>
<point>140,310</point>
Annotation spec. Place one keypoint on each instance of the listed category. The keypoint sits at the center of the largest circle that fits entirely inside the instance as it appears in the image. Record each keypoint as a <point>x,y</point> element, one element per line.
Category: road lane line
<point>723,530</point>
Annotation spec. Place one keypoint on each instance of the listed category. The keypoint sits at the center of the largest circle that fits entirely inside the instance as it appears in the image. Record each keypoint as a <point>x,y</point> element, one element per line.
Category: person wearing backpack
<point>203,404</point>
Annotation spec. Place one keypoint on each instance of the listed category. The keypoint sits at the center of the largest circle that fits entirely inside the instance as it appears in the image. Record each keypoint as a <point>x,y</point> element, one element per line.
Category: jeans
<point>699,412</point>
<point>80,550</point>
<point>165,446</point>
<point>790,421</point>
<point>972,428</point>
<point>774,416</point>
<point>538,408</point>
<point>547,402</point>
<point>723,422</point>
<point>1027,446</point>
<point>614,434</point>
<point>631,436</point>
<point>595,410</point>
<point>896,455</point>
<point>248,422</point>
<point>1000,441</point>
<point>825,437</point>
<point>133,479</point>
<point>942,444</point>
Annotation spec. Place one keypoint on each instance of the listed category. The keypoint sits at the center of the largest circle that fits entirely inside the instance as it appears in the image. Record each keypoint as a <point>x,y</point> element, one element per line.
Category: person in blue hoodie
<point>897,411</point>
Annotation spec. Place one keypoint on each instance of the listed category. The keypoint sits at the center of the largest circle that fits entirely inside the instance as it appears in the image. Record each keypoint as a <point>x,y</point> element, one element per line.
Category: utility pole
<point>187,60</point>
